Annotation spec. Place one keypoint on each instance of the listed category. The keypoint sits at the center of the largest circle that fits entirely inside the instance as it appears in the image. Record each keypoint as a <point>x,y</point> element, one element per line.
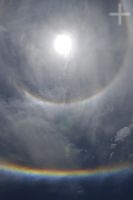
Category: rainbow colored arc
<point>47,173</point>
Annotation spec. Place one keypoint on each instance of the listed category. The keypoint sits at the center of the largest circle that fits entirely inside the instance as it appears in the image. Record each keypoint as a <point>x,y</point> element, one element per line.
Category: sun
<point>63,45</point>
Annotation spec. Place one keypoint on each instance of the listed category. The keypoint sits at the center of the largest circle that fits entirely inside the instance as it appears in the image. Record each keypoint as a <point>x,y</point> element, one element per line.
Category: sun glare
<point>63,45</point>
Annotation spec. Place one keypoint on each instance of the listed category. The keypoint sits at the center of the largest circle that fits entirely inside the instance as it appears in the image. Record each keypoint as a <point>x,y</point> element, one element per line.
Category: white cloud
<point>122,134</point>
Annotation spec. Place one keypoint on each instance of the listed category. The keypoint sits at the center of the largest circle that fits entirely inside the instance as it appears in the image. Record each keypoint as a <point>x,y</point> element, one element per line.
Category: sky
<point>59,113</point>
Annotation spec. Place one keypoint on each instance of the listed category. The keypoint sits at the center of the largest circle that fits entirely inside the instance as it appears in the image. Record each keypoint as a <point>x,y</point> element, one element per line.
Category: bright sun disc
<point>63,45</point>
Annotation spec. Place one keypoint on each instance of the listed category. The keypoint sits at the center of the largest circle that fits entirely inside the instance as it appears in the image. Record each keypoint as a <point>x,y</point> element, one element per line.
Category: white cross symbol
<point>119,14</point>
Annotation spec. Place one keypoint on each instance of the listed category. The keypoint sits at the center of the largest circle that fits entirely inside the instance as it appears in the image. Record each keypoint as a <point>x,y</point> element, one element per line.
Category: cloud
<point>122,134</point>
<point>29,135</point>
<point>121,149</point>
<point>2,28</point>
<point>33,134</point>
